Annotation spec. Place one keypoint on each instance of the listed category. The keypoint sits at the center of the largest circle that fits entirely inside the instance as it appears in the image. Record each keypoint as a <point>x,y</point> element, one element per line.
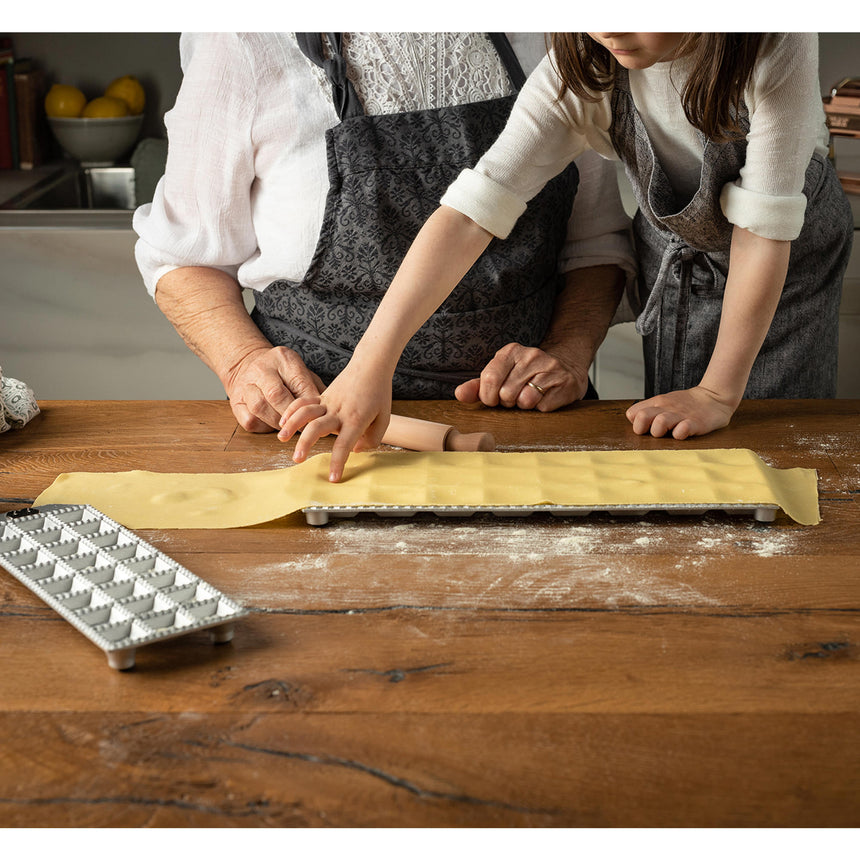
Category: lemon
<point>64,100</point>
<point>105,106</point>
<point>129,89</point>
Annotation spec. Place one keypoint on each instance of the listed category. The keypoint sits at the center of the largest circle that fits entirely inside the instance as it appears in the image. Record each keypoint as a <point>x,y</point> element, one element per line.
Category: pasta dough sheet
<point>709,478</point>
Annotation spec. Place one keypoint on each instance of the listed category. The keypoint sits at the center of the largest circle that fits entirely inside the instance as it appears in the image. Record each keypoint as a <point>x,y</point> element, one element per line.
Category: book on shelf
<point>847,88</point>
<point>843,124</point>
<point>842,108</point>
<point>8,118</point>
<point>33,134</point>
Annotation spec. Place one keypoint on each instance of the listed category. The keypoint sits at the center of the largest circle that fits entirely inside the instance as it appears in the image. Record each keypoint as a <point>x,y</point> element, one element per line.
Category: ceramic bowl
<point>96,142</point>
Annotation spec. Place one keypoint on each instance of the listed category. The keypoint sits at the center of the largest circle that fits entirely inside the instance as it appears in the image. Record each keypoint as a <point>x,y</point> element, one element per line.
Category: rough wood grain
<point>542,672</point>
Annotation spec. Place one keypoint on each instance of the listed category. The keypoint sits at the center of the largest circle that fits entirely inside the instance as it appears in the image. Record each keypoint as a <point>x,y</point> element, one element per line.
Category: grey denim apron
<point>387,174</point>
<point>683,250</point>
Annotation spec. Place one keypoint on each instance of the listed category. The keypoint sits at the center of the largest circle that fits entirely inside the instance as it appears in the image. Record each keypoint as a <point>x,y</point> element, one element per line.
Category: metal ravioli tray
<point>319,515</point>
<point>115,588</point>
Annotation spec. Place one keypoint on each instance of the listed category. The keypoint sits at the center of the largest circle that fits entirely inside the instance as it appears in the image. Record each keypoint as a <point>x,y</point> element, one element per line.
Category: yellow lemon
<point>105,106</point>
<point>63,100</point>
<point>129,89</point>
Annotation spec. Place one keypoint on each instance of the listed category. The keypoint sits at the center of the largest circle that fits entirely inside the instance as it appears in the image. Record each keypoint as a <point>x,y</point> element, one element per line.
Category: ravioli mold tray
<point>320,515</point>
<point>115,588</point>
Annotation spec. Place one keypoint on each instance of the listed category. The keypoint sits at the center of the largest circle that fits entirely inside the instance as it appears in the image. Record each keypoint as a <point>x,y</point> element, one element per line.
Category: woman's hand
<point>505,381</point>
<point>264,383</point>
<point>206,307</point>
<point>693,412</point>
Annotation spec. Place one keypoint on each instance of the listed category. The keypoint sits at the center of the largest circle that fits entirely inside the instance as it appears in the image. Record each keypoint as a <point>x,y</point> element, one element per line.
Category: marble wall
<point>77,323</point>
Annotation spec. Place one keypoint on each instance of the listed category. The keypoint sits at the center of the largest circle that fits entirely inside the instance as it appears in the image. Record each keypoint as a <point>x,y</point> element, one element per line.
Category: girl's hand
<point>694,412</point>
<point>357,405</point>
<point>356,408</point>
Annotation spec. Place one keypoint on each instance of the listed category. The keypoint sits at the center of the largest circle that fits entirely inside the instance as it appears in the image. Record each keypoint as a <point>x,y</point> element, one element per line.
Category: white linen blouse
<point>246,179</point>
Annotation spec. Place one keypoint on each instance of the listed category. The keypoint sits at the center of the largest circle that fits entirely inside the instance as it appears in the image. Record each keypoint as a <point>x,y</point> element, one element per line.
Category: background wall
<point>89,330</point>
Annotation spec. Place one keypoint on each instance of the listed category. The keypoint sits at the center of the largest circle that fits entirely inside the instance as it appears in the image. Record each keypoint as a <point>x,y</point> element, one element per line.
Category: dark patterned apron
<point>387,174</point>
<point>683,250</point>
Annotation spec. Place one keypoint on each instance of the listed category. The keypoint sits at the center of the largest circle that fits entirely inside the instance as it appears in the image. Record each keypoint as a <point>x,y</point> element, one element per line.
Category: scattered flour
<point>825,444</point>
<point>615,562</point>
<point>538,538</point>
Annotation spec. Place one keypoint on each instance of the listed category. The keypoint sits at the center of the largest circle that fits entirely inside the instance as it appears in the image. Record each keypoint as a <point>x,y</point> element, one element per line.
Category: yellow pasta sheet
<point>707,478</point>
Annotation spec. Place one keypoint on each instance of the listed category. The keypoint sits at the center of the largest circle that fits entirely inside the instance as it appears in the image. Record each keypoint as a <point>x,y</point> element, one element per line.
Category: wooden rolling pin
<point>418,435</point>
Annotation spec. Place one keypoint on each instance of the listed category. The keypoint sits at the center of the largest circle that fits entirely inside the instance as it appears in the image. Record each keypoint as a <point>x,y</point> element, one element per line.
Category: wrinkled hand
<point>356,408</point>
<point>505,381</point>
<point>693,412</point>
<point>264,383</point>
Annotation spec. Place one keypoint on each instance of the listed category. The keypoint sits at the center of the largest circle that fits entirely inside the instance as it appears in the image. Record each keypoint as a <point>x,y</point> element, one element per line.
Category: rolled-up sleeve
<point>766,215</point>
<point>542,136</point>
<point>200,214</point>
<point>786,127</point>
<point>485,201</point>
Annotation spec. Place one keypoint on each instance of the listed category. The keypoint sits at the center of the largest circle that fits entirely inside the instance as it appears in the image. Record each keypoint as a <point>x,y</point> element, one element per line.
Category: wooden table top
<point>597,671</point>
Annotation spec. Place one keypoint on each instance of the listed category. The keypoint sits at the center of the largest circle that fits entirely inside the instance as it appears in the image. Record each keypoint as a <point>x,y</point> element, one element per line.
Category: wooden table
<point>598,671</point>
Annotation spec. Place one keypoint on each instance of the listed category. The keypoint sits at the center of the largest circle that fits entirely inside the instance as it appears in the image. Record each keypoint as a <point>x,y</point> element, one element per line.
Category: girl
<point>743,231</point>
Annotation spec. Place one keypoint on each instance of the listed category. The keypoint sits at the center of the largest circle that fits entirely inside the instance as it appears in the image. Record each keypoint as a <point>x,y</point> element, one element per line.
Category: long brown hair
<point>722,64</point>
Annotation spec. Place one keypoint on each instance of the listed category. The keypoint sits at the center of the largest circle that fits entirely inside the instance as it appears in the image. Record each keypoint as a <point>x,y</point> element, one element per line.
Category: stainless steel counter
<point>67,196</point>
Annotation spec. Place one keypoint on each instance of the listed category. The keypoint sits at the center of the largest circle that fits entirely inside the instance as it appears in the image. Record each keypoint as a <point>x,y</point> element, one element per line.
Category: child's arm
<point>757,270</point>
<point>357,405</point>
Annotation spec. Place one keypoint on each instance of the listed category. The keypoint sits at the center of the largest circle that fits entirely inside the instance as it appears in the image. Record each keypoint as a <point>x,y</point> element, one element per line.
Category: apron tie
<point>345,99</point>
<point>675,251</point>
<point>344,96</point>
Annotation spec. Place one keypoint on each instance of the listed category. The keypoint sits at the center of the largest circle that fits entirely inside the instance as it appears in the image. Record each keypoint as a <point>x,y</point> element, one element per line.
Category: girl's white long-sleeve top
<point>246,180</point>
<point>544,134</point>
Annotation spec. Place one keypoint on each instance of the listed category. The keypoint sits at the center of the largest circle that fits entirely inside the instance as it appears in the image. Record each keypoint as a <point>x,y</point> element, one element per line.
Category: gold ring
<point>536,388</point>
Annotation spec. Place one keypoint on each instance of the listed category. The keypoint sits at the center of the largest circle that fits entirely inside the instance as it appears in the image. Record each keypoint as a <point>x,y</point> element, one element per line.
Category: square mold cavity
<point>116,589</point>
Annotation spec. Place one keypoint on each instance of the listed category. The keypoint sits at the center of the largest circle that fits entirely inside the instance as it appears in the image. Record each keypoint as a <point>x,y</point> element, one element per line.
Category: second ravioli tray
<point>118,590</point>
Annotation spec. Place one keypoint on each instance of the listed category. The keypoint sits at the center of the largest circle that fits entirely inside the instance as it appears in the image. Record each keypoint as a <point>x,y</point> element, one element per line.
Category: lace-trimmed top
<point>421,72</point>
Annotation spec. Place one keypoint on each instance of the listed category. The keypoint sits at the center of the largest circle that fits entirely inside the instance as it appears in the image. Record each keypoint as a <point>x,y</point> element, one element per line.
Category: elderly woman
<point>301,166</point>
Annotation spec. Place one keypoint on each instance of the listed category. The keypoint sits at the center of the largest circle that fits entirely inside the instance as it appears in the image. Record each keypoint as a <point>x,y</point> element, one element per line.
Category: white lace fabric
<point>425,71</point>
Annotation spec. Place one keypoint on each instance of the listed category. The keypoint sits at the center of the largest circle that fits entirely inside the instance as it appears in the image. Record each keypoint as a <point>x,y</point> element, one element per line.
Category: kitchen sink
<point>88,188</point>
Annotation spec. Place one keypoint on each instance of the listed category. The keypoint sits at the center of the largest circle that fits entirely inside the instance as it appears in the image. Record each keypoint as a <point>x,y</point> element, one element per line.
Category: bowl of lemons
<point>98,131</point>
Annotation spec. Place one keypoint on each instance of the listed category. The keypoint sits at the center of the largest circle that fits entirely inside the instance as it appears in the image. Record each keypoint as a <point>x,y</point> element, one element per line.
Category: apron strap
<point>509,59</point>
<point>346,101</point>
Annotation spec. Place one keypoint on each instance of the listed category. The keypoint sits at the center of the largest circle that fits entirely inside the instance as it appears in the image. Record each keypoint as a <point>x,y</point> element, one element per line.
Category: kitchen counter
<point>599,671</point>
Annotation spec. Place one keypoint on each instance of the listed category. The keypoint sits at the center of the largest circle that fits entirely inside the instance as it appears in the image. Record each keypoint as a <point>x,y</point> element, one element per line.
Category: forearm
<point>205,307</point>
<point>445,249</point>
<point>757,271</point>
<point>583,312</point>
